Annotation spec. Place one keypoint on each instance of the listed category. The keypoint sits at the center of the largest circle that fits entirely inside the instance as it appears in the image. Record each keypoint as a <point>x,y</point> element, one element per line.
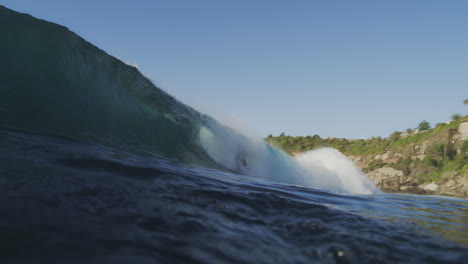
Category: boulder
<point>431,187</point>
<point>387,178</point>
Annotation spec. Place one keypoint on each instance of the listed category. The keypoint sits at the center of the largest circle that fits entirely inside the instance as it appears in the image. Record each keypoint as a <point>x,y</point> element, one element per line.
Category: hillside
<point>433,161</point>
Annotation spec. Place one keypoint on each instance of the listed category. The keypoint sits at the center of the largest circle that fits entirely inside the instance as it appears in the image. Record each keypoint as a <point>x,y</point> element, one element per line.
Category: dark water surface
<point>65,201</point>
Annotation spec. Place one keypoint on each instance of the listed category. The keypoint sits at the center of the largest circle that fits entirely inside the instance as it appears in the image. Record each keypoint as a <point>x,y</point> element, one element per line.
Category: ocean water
<point>97,165</point>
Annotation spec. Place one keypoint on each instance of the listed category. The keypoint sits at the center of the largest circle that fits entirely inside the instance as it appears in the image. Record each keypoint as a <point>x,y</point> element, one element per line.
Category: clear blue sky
<point>351,69</point>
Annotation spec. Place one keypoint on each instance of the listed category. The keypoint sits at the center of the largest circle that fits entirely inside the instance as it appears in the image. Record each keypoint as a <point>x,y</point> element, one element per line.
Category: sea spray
<point>330,169</point>
<point>325,169</point>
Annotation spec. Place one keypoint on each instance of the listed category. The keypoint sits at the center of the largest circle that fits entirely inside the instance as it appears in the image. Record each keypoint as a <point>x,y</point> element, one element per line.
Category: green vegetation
<point>353,147</point>
<point>360,147</point>
<point>424,125</point>
<point>456,117</point>
<point>444,161</point>
<point>440,158</point>
<point>418,138</point>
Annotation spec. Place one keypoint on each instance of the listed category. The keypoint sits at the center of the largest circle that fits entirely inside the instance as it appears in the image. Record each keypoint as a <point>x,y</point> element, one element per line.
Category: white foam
<point>330,169</point>
<point>325,168</point>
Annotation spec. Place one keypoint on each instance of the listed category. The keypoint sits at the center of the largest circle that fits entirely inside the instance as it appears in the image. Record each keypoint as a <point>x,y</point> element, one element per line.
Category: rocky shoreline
<point>391,180</point>
<point>404,169</point>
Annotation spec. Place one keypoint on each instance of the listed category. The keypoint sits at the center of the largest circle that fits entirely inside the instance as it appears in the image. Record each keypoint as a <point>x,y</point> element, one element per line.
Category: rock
<point>450,184</point>
<point>425,146</point>
<point>404,134</point>
<point>387,178</point>
<point>419,157</point>
<point>411,188</point>
<point>387,171</point>
<point>404,188</point>
<point>385,155</point>
<point>449,174</point>
<point>431,187</point>
<point>463,130</point>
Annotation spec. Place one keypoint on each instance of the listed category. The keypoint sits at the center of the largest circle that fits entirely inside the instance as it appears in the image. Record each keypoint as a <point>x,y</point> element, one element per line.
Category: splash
<point>330,169</point>
<point>325,168</point>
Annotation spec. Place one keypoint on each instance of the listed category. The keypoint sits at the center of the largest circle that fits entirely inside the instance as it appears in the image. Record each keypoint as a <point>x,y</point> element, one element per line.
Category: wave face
<point>55,82</point>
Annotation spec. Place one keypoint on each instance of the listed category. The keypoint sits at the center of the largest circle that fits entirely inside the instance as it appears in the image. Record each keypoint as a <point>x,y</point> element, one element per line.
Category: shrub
<point>456,117</point>
<point>403,164</point>
<point>424,125</point>
<point>429,160</point>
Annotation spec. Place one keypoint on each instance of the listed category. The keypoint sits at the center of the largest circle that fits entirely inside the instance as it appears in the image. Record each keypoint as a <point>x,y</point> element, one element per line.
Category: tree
<point>456,117</point>
<point>409,131</point>
<point>424,125</point>
<point>466,101</point>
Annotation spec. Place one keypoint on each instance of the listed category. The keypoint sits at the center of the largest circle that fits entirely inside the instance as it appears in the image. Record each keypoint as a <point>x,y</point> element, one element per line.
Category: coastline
<point>431,162</point>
